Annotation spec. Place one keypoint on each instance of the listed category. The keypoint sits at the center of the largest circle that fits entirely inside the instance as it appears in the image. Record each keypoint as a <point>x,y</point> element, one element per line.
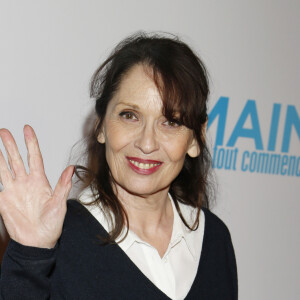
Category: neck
<point>148,213</point>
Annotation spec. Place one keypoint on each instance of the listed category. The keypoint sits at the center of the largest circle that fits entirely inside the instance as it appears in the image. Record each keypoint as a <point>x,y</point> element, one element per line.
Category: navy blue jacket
<point>81,267</point>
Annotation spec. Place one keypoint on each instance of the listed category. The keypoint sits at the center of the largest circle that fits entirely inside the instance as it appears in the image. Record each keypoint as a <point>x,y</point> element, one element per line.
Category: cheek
<point>176,148</point>
<point>115,141</point>
<point>116,137</point>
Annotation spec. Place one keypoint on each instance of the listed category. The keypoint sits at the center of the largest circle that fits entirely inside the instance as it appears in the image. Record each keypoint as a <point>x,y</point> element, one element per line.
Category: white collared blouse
<point>175,272</point>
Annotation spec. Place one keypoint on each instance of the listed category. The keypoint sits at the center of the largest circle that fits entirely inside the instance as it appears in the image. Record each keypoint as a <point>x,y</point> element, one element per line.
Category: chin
<point>142,189</point>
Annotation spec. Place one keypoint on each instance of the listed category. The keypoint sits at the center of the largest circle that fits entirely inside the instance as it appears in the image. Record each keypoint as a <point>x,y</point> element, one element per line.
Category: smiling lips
<point>143,166</point>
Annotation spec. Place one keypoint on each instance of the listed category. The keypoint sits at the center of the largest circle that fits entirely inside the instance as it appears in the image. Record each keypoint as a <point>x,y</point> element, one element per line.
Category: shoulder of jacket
<point>214,224</point>
<point>75,209</point>
<point>78,216</point>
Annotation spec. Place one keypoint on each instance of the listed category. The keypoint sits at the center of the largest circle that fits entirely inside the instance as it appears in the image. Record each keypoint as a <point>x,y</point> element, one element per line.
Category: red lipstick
<point>143,171</point>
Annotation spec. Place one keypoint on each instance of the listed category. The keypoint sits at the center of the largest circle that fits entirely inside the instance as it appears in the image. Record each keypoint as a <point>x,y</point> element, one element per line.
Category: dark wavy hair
<point>182,81</point>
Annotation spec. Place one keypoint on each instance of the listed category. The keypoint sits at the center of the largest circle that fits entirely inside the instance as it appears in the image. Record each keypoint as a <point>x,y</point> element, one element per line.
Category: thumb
<point>64,184</point>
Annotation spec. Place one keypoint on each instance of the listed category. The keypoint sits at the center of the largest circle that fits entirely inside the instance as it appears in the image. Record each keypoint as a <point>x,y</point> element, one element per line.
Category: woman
<point>141,229</point>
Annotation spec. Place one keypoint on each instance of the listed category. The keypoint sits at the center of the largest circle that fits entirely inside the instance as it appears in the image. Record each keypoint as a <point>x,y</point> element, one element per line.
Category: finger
<point>2,132</point>
<point>5,174</point>
<point>64,185</point>
<point>11,165</point>
<point>14,158</point>
<point>35,159</point>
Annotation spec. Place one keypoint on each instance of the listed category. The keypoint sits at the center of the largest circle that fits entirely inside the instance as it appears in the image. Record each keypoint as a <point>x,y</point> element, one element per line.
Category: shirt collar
<point>86,197</point>
<point>179,232</point>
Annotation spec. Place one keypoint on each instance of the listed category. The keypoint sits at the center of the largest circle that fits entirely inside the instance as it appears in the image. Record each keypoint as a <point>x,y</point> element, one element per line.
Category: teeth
<point>142,165</point>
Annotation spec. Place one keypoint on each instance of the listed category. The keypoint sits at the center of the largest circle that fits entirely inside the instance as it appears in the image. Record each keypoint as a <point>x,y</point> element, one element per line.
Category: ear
<point>194,149</point>
<point>101,136</point>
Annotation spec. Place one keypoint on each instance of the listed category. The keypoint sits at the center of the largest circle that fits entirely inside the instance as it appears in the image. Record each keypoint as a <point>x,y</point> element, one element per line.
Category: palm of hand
<point>33,214</point>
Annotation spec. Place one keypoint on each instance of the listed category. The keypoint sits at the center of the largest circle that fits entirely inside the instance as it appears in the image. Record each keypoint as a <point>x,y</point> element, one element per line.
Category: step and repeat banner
<point>50,49</point>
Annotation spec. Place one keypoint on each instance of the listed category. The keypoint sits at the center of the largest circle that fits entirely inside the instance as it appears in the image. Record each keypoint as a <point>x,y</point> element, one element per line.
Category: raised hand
<point>32,212</point>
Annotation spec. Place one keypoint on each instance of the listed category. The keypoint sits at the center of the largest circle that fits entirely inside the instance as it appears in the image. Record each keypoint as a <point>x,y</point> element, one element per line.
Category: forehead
<point>137,87</point>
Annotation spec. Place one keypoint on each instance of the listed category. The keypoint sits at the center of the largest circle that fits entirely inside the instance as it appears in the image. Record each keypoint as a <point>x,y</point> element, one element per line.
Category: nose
<point>147,141</point>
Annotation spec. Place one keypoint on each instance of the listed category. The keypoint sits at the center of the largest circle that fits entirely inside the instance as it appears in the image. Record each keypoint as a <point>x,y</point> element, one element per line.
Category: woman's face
<point>144,151</point>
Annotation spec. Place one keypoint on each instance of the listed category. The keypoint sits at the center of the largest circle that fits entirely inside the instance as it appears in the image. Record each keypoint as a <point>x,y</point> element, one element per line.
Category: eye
<point>172,123</point>
<point>128,115</point>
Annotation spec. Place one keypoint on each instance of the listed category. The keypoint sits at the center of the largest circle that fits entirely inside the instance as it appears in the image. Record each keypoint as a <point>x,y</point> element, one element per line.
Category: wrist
<point>30,252</point>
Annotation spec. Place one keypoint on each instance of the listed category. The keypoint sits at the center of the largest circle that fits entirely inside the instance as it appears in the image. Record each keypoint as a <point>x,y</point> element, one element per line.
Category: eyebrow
<point>134,106</point>
<point>128,104</point>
